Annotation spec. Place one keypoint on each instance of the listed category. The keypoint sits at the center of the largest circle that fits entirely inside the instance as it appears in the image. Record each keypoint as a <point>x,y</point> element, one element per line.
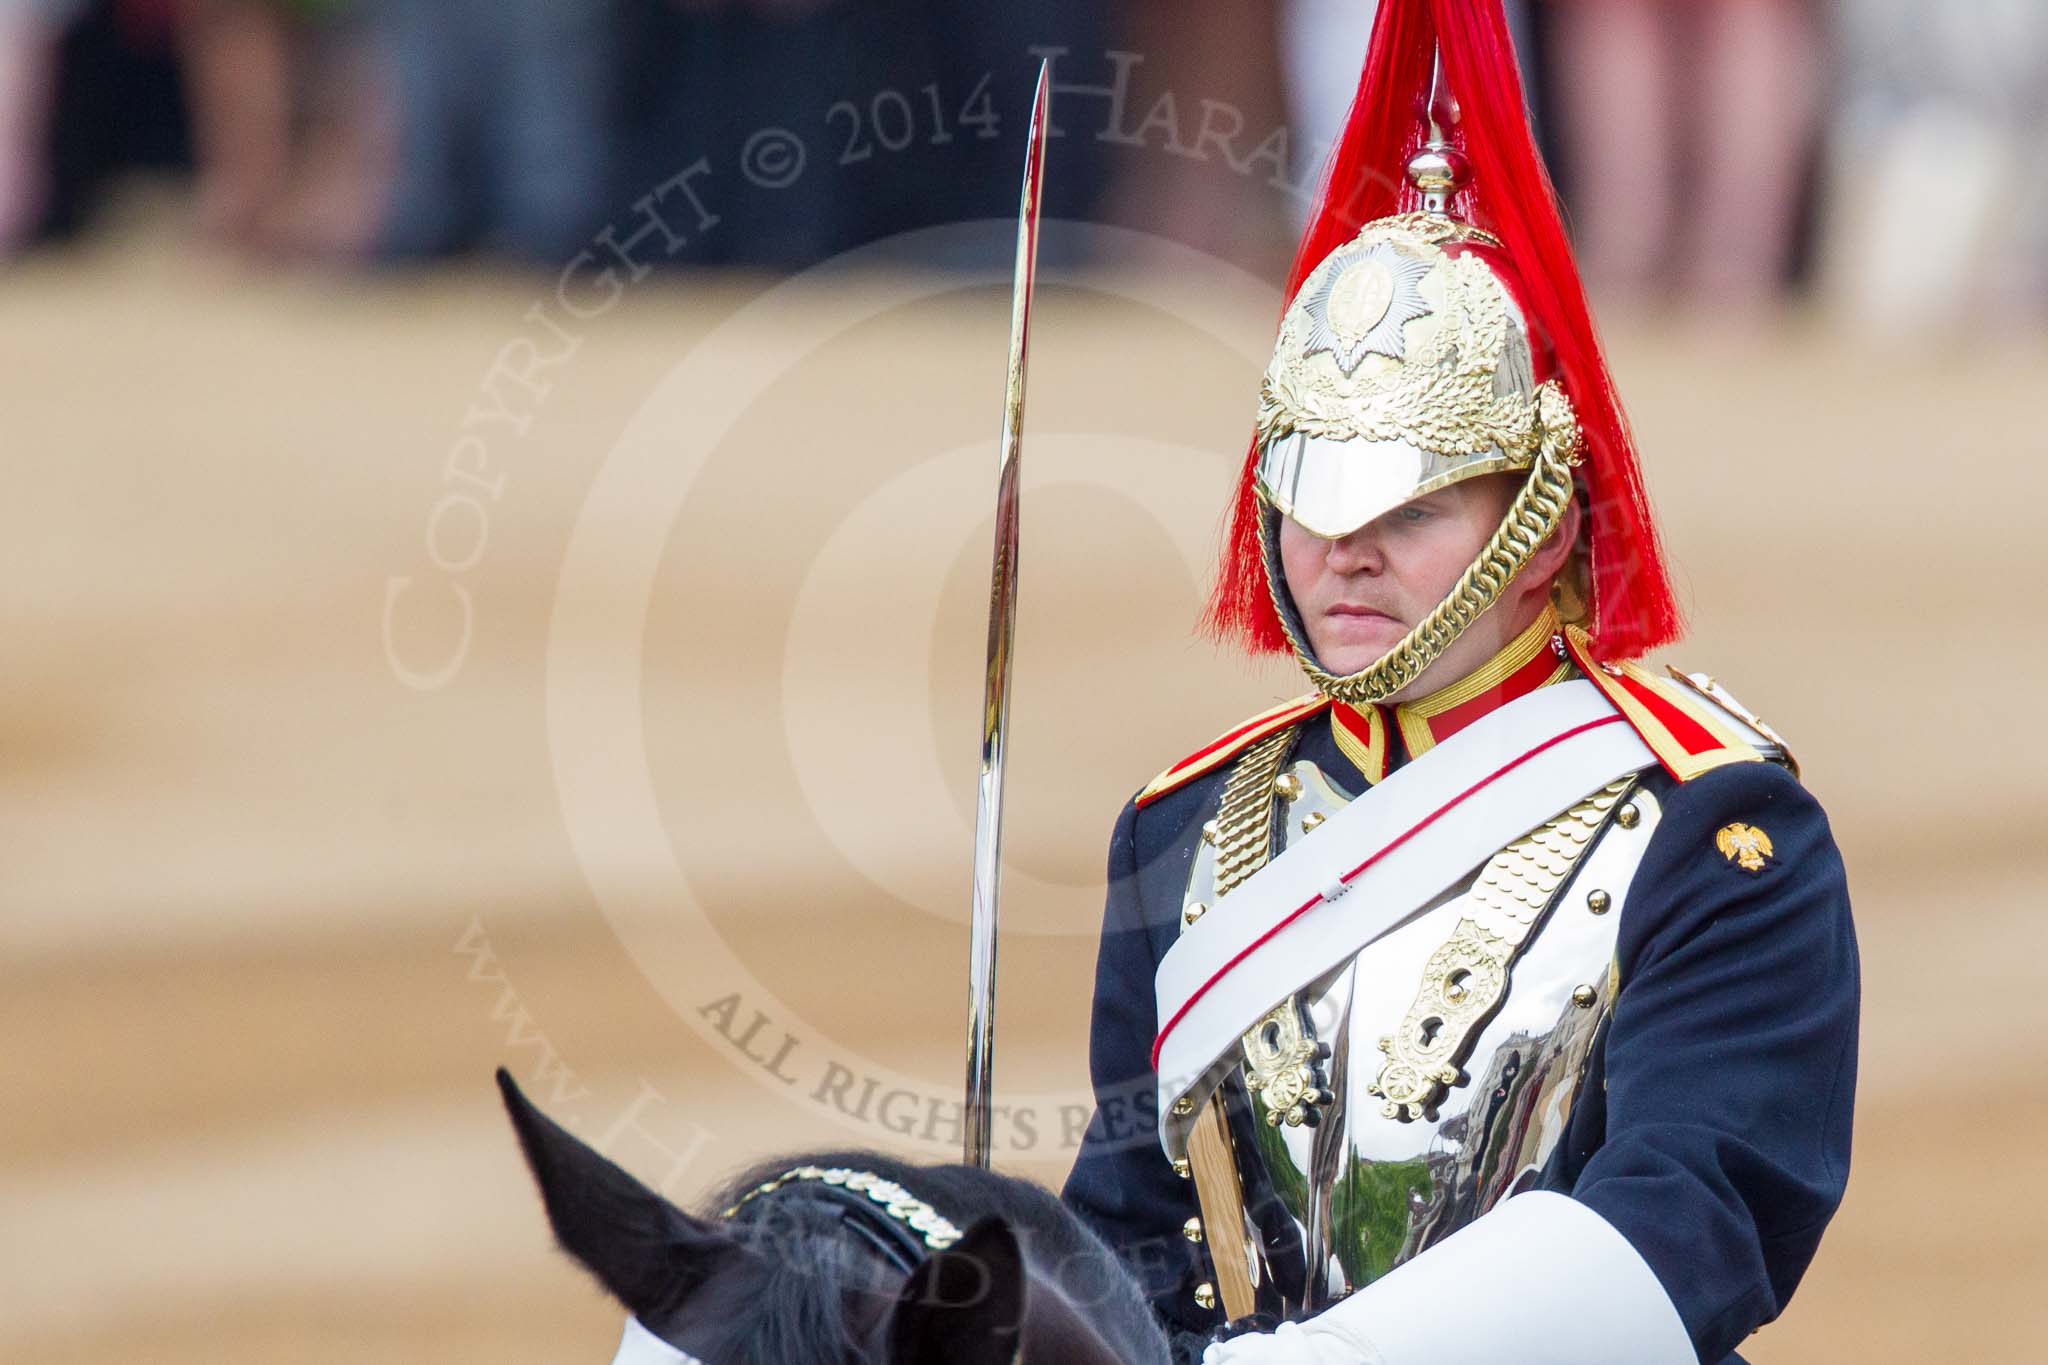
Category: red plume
<point>1509,195</point>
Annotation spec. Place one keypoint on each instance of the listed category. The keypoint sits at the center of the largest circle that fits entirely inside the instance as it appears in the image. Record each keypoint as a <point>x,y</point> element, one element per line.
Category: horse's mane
<point>810,1308</point>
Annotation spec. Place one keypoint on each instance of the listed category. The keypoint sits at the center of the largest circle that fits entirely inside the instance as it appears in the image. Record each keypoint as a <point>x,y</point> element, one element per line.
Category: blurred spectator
<point>30,32</point>
<point>1322,44</point>
<point>1213,64</point>
<point>118,105</point>
<point>1686,128</point>
<point>285,110</point>
<point>505,130</point>
<point>1322,47</point>
<point>413,129</point>
<point>902,114</point>
<point>1937,203</point>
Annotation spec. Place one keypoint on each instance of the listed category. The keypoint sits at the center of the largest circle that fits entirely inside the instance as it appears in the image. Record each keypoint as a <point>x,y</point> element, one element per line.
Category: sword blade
<point>1002,632</point>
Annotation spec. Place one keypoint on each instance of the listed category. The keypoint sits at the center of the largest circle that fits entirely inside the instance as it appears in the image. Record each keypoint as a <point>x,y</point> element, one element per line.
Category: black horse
<point>844,1258</point>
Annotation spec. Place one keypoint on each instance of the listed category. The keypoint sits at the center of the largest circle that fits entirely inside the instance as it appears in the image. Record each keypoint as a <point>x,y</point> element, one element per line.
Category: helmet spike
<point>1439,170</point>
<point>1443,111</point>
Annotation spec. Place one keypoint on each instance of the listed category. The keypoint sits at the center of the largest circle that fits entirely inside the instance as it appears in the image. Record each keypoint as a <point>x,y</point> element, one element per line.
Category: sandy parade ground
<point>412,676</point>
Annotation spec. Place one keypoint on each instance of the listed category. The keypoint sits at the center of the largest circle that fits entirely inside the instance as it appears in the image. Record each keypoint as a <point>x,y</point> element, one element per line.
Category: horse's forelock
<point>797,1291</point>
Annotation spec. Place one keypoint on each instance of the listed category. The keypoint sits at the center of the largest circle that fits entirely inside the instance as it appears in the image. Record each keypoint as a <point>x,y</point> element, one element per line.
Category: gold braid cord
<point>1243,837</point>
<point>1535,514</point>
<point>1244,814</point>
<point>1280,1057</point>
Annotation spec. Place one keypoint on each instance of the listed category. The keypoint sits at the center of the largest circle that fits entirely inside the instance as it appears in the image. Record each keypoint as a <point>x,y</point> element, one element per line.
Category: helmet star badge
<point>1744,845</point>
<point>1360,307</point>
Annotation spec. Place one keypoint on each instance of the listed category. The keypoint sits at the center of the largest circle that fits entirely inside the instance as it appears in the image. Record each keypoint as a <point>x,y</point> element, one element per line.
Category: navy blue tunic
<point>1713,1132</point>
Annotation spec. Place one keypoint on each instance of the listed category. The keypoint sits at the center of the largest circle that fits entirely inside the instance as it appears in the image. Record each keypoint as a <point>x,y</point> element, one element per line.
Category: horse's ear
<point>645,1250</point>
<point>963,1305</point>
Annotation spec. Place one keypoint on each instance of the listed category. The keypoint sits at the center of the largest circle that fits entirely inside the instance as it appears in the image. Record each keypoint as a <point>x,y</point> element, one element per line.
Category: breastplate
<point>1440,1064</point>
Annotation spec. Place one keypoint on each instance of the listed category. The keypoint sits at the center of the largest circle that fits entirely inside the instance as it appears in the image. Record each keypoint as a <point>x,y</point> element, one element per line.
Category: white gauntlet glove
<point>1540,1280</point>
<point>1296,1343</point>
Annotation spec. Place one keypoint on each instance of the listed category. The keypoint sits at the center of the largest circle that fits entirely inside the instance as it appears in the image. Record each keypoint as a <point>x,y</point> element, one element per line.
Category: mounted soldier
<point>1497,1000</point>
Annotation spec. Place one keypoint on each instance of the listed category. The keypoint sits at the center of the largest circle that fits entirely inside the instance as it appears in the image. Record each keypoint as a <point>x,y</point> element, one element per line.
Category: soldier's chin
<point>1358,645</point>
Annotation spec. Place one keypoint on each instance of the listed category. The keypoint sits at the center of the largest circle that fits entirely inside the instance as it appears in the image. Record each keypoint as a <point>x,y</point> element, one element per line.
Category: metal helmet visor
<point>1332,486</point>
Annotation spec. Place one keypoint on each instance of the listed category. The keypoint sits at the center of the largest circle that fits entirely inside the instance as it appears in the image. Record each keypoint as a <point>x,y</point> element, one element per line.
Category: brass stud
<point>1192,1229</point>
<point>1599,902</point>
<point>1287,787</point>
<point>1205,1295</point>
<point>1311,820</point>
<point>1183,1106</point>
<point>1194,912</point>
<point>1583,997</point>
<point>1628,816</point>
<point>1182,1169</point>
<point>1211,831</point>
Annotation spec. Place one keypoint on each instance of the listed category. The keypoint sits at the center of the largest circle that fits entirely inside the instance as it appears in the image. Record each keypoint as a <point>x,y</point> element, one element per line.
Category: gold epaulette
<point>1761,737</point>
<point>1689,721</point>
<point>1231,743</point>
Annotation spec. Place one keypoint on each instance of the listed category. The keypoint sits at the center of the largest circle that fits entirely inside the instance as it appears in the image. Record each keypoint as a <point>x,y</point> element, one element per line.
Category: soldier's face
<point>1360,594</point>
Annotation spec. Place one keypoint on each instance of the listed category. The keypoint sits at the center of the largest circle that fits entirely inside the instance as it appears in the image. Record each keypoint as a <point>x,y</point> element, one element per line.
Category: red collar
<point>1533,659</point>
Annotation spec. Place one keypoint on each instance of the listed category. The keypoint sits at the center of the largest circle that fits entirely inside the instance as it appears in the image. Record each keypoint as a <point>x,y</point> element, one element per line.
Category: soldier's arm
<point>1731,1062</point>
<point>1122,1184</point>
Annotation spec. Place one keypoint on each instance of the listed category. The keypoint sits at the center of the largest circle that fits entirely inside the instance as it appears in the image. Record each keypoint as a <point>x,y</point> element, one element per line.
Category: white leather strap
<point>1370,867</point>
<point>641,1347</point>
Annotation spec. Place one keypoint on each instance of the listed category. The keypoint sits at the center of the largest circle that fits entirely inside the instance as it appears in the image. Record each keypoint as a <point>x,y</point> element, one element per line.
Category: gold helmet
<point>1404,365</point>
<point>1422,348</point>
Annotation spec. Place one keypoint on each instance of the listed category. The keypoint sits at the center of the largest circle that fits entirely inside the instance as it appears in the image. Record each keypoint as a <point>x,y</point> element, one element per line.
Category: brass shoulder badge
<point>1744,845</point>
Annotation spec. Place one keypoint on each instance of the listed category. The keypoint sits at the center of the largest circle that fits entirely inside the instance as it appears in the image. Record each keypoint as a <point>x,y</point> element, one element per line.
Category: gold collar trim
<point>1495,671</point>
<point>1361,735</point>
<point>1414,718</point>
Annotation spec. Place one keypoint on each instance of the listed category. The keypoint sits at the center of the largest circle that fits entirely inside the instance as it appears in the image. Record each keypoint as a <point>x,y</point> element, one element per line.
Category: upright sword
<point>1002,634</point>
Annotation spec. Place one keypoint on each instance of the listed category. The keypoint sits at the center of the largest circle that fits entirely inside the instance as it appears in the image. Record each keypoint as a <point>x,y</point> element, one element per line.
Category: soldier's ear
<point>647,1252</point>
<point>964,1305</point>
<point>1552,554</point>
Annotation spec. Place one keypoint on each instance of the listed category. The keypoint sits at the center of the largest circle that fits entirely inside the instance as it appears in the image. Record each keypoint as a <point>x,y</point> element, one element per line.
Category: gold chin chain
<point>1534,515</point>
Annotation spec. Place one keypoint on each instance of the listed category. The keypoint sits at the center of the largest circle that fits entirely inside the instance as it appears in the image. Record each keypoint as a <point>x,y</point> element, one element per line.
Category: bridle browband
<point>881,1214</point>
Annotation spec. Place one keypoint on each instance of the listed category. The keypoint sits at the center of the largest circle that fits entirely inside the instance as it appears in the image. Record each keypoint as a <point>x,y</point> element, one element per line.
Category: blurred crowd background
<point>1721,151</point>
<point>493,571</point>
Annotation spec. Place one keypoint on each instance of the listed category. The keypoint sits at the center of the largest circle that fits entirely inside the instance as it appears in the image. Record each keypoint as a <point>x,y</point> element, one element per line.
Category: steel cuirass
<point>1422,1080</point>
